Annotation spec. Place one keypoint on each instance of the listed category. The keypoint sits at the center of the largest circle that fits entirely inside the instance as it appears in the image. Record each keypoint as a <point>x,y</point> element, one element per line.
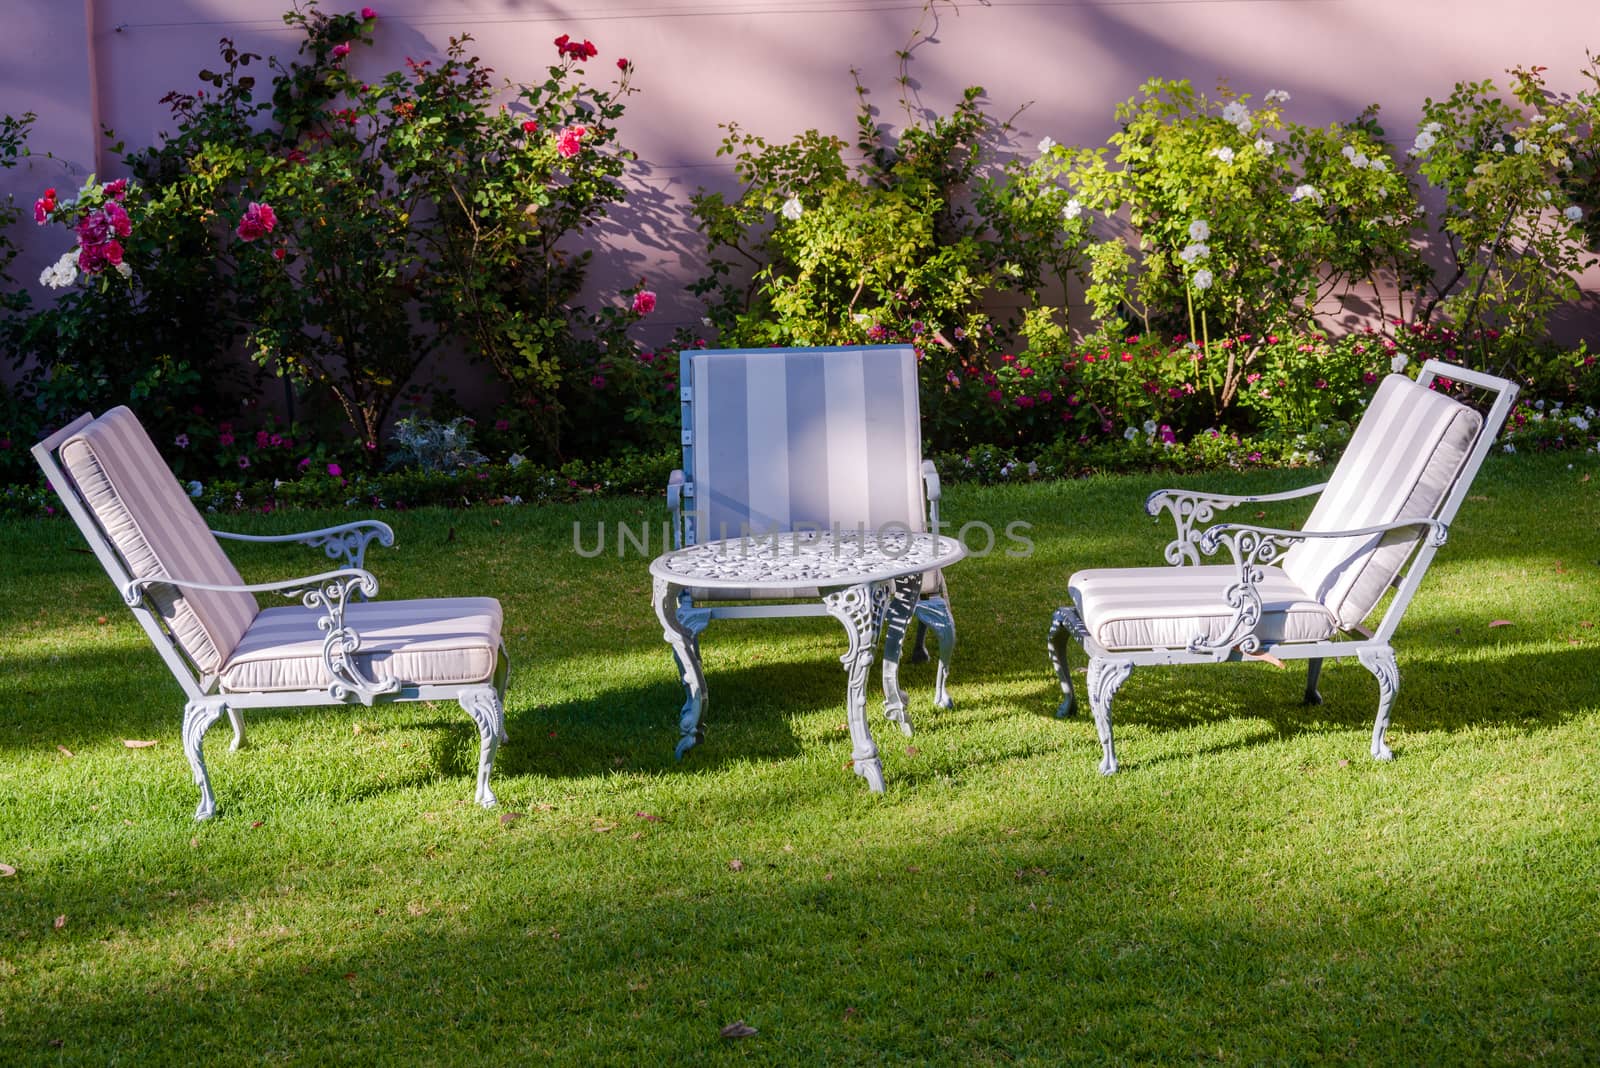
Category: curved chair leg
<point>1105,676</point>
<point>919,644</point>
<point>483,704</point>
<point>1381,663</point>
<point>935,612</point>
<point>236,719</point>
<point>198,716</point>
<point>502,677</point>
<point>902,603</point>
<point>1313,673</point>
<point>1060,639</point>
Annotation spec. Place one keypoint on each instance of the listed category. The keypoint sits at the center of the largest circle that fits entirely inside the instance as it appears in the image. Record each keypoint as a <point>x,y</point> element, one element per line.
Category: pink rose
<point>341,50</point>
<point>258,222</point>
<point>118,189</point>
<point>368,14</point>
<point>644,302</point>
<point>44,206</point>
<point>570,141</point>
<point>335,470</point>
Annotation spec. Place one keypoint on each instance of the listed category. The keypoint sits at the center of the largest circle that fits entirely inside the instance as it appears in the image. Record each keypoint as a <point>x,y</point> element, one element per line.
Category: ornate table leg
<point>859,608</point>
<point>687,652</point>
<point>935,612</point>
<point>902,603</point>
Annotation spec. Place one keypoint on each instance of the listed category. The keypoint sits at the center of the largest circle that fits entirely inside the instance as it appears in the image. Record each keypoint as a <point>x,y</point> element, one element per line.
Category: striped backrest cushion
<point>789,437</point>
<point>157,531</point>
<point>1401,463</point>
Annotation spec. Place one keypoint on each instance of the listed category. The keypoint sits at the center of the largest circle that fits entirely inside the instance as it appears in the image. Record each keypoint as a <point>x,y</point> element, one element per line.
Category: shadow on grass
<point>1077,942</point>
<point>1481,686</point>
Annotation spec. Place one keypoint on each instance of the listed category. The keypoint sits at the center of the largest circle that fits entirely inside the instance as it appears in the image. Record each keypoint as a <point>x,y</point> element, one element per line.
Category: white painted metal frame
<point>326,592</point>
<point>1252,546</point>
<point>932,612</point>
<point>869,581</point>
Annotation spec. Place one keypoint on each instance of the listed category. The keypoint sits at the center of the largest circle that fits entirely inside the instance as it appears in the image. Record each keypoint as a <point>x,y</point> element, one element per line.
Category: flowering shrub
<point>1291,216</point>
<point>1506,168</point>
<point>903,246</point>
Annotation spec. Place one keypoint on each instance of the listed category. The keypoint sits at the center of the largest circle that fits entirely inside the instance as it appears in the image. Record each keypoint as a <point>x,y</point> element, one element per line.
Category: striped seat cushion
<point>1404,458</point>
<point>1168,607</point>
<point>158,532</point>
<point>788,437</point>
<point>441,641</point>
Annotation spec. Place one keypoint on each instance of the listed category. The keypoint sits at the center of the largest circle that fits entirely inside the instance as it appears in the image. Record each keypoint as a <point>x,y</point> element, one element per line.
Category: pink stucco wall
<point>779,68</point>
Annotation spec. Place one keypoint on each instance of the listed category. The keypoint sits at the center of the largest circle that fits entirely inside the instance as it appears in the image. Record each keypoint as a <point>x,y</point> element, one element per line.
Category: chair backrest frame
<point>195,684</point>
<point>695,369</point>
<point>1417,566</point>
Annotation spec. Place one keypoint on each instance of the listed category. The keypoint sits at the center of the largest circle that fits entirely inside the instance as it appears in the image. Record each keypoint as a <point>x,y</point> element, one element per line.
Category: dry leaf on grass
<point>135,743</point>
<point>651,816</point>
<point>61,921</point>
<point>738,1029</point>
<point>1500,623</point>
<point>7,871</point>
<point>510,817</point>
<point>64,750</point>
<point>736,864</point>
<point>602,826</point>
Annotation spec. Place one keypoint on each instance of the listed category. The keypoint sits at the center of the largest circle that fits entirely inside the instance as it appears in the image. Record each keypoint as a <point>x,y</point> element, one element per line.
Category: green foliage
<point>894,247</point>
<point>1252,220</point>
<point>429,445</point>
<point>13,144</point>
<point>1506,168</point>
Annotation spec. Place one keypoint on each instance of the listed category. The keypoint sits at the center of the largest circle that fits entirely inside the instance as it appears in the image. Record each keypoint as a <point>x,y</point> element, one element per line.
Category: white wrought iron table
<point>869,581</point>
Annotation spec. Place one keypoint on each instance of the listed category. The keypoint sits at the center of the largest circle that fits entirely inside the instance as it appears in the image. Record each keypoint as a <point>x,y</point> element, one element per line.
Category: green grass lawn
<point>1251,887</point>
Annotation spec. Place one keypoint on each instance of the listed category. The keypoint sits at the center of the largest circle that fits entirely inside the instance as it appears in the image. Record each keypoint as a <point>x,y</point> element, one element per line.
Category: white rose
<point>1399,362</point>
<point>1225,154</point>
<point>1574,213</point>
<point>1045,146</point>
<point>1202,279</point>
<point>1264,146</point>
<point>1073,209</point>
<point>1199,230</point>
<point>793,209</point>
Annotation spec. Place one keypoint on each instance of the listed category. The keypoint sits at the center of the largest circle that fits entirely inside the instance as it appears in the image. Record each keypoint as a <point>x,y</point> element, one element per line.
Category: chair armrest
<point>347,540</point>
<point>1253,547</point>
<point>1192,507</point>
<point>930,483</point>
<point>328,592</point>
<point>675,487</point>
<point>366,580</point>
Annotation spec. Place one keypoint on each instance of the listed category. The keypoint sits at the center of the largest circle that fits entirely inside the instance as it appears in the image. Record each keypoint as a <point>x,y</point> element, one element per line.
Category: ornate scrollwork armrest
<point>1192,509</point>
<point>328,592</point>
<point>1255,547</point>
<point>347,541</point>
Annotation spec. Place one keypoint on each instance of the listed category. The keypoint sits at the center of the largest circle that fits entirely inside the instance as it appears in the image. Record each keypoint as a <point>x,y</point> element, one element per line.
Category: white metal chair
<point>1293,594</point>
<point>781,440</point>
<point>228,654</point>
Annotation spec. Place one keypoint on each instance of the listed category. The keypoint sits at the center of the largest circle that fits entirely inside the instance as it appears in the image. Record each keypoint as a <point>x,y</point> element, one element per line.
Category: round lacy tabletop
<point>807,559</point>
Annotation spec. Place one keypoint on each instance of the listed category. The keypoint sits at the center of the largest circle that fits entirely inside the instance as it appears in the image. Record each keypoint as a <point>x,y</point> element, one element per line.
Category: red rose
<point>530,126</point>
